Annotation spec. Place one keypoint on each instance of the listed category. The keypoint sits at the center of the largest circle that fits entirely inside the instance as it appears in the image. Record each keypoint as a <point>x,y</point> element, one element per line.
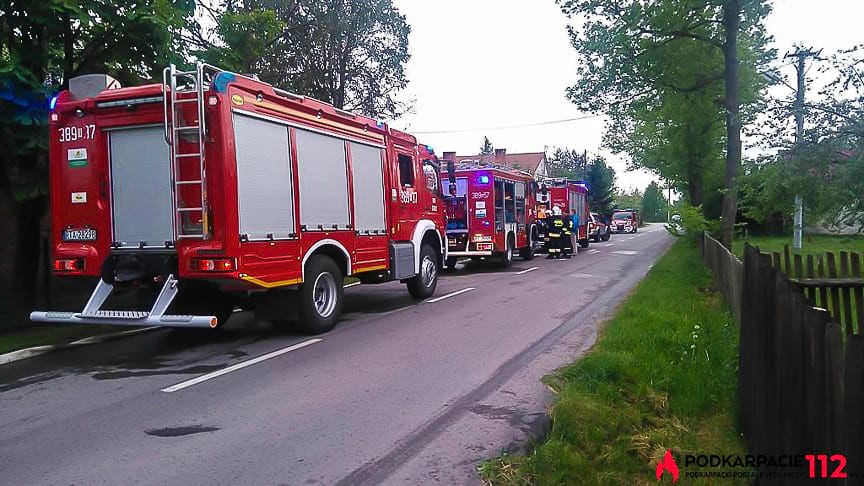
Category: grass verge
<point>39,335</point>
<point>662,375</point>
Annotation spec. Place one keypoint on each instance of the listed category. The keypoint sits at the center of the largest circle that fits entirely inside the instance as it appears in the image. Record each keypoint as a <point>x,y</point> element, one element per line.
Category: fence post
<point>853,418</point>
<point>834,396</point>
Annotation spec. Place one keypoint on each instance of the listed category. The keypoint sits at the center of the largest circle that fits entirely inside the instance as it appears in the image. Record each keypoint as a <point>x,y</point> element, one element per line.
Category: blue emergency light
<point>483,179</point>
<point>52,103</point>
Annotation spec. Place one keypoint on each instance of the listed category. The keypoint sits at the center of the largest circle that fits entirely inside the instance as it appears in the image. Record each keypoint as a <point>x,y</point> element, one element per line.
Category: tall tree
<point>601,178</point>
<point>567,163</point>
<point>652,65</point>
<point>654,204</point>
<point>44,44</point>
<point>487,149</point>
<point>350,53</point>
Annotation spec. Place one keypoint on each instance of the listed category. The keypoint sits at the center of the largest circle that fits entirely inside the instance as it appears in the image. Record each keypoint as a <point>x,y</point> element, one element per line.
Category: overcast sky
<point>479,64</point>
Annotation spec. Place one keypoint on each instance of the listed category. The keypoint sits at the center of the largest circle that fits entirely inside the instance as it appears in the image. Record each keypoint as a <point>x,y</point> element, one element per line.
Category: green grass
<point>662,375</point>
<point>39,335</point>
<point>812,244</point>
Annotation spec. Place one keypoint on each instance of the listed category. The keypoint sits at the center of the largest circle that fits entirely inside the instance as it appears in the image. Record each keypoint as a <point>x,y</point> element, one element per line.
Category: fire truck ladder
<point>174,84</point>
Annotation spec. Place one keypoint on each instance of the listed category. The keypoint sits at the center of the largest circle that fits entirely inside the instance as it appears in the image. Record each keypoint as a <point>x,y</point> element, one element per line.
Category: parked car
<point>598,230</point>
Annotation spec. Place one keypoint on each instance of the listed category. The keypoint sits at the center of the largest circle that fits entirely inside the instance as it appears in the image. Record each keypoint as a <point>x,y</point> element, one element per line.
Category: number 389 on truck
<point>214,189</point>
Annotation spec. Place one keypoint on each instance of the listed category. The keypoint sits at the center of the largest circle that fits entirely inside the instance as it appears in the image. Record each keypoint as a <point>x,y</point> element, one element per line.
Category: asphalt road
<point>400,393</point>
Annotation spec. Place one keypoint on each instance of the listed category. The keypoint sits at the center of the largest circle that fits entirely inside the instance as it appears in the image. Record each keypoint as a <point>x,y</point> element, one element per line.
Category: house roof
<point>528,162</point>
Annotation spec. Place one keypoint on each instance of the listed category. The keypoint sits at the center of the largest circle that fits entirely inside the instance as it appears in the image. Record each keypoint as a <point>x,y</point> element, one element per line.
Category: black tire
<point>321,296</point>
<point>423,285</point>
<point>527,253</point>
<point>635,229</point>
<point>606,236</point>
<point>505,259</point>
<point>583,243</point>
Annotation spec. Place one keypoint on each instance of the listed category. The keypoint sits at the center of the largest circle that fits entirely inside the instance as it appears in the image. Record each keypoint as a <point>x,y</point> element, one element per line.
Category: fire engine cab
<point>490,212</point>
<point>568,194</point>
<point>213,188</point>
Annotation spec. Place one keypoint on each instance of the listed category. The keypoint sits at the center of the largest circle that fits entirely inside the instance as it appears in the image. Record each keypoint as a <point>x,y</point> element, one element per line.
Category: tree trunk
<point>28,218</point>
<point>731,24</point>
<point>695,185</point>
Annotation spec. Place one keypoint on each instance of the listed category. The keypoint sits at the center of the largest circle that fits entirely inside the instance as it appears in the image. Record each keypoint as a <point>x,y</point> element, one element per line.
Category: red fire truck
<point>571,195</point>
<point>490,212</point>
<point>214,188</point>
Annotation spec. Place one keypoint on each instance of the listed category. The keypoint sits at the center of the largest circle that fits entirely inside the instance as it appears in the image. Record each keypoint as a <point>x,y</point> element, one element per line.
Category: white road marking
<point>607,245</point>
<point>526,271</point>
<point>593,251</point>
<point>353,284</point>
<point>451,294</point>
<point>581,275</point>
<point>632,238</point>
<point>624,252</point>
<point>238,366</point>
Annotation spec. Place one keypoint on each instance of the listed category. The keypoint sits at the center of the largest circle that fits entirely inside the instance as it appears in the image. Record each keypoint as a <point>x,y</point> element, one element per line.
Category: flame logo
<point>668,465</point>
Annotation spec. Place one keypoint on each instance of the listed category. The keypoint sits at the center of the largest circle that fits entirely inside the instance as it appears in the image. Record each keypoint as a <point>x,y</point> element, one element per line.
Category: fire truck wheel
<point>423,285</point>
<point>321,296</point>
<point>506,258</point>
<point>526,253</point>
<point>606,236</point>
<point>583,243</point>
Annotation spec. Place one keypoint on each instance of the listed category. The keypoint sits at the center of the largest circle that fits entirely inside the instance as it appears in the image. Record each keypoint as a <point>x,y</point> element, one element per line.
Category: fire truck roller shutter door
<point>141,191</point>
<point>323,181</point>
<point>265,189</point>
<point>368,189</point>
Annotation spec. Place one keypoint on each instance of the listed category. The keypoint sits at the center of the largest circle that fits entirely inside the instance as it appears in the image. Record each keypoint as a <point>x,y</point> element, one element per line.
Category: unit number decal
<point>71,134</point>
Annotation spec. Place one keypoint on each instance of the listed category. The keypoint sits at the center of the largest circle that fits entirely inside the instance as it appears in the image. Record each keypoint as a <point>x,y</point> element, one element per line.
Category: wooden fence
<point>831,281</point>
<point>801,374</point>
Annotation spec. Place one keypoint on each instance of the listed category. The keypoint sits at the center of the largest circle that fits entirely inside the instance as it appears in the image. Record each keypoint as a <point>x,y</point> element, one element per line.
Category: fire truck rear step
<point>155,317</point>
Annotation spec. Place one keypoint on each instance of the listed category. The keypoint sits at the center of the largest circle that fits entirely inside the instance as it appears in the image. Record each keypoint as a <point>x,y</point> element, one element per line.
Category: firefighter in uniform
<point>567,235</point>
<point>555,232</point>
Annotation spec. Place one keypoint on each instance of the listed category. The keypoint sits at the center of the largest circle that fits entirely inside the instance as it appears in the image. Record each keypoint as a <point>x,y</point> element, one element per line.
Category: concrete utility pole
<point>802,55</point>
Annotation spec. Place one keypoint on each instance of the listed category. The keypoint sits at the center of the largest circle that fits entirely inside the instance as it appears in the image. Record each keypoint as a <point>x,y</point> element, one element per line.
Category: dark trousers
<point>567,243</point>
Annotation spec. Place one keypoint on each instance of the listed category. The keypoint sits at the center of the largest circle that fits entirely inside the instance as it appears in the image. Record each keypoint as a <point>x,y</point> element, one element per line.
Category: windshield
<point>621,216</point>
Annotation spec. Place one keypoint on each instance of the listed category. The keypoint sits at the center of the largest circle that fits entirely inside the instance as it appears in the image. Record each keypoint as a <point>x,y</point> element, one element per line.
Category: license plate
<point>86,234</point>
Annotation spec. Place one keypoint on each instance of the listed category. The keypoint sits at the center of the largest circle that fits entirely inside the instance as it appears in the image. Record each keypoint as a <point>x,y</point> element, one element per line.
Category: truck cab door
<point>404,200</point>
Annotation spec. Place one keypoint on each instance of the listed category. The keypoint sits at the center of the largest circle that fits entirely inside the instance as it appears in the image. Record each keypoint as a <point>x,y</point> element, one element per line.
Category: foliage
<point>662,376</point>
<point>693,221</point>
<point>487,149</point>
<point>656,68</point>
<point>567,163</point>
<point>601,178</point>
<point>654,204</point>
<point>47,42</point>
<point>350,53</point>
<point>632,200</point>
<point>827,166</point>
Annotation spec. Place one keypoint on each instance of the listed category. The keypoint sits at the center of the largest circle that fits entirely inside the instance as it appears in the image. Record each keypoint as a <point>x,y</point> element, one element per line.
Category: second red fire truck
<point>213,189</point>
<point>570,195</point>
<point>490,212</point>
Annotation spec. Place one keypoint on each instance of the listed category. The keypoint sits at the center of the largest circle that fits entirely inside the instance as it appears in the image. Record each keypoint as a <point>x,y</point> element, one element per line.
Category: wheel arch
<point>426,232</point>
<point>332,249</point>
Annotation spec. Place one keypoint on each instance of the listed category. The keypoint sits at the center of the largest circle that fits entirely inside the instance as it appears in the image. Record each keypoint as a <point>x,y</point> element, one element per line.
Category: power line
<point>507,127</point>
